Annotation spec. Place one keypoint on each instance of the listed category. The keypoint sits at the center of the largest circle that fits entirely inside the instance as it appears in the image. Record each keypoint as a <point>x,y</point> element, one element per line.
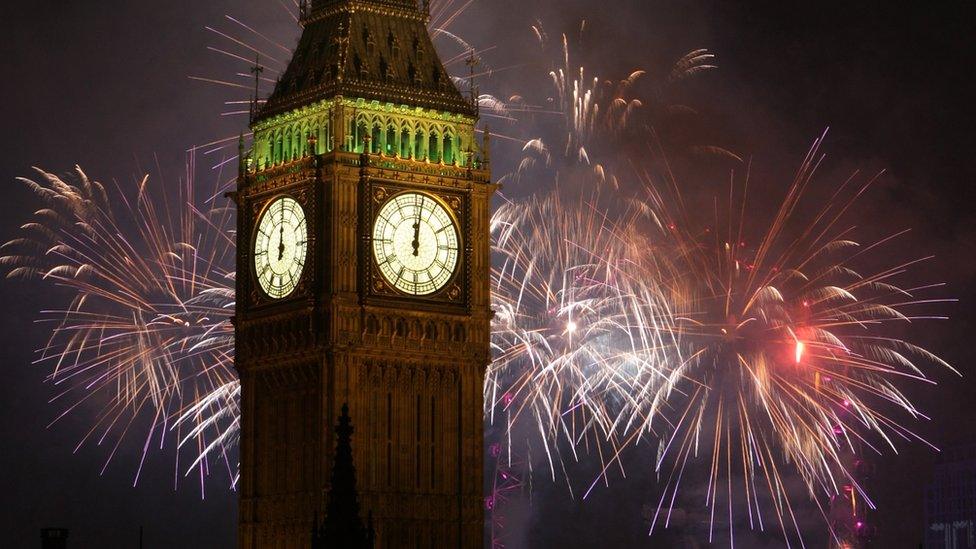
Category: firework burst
<point>597,119</point>
<point>147,332</point>
<point>786,360</point>
<point>576,334</point>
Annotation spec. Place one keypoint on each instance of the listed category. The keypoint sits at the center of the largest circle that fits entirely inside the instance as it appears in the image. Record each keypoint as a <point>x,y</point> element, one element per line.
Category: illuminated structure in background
<point>508,481</point>
<point>54,538</point>
<point>363,248</point>
<point>850,527</point>
<point>950,501</point>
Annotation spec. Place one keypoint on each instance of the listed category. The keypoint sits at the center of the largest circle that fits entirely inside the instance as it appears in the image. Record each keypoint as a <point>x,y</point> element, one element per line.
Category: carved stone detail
<point>397,375</point>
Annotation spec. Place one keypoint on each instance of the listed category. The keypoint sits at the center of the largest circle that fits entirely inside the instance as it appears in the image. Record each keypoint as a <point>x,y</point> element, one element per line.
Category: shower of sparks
<point>576,335</point>
<point>577,306</point>
<point>147,333</point>
<point>787,355</point>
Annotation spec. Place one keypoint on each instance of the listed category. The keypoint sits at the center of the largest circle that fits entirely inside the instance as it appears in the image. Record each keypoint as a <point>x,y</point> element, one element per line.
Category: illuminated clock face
<point>280,247</point>
<point>415,242</point>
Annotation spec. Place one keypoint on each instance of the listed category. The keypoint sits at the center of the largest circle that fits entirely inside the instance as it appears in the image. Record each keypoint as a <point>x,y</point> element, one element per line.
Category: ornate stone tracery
<point>397,132</point>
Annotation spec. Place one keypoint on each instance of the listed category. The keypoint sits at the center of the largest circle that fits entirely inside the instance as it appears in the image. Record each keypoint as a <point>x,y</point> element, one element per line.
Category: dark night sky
<point>105,85</point>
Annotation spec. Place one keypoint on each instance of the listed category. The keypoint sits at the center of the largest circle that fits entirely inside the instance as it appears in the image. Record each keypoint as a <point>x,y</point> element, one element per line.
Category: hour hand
<point>281,244</point>
<point>416,239</point>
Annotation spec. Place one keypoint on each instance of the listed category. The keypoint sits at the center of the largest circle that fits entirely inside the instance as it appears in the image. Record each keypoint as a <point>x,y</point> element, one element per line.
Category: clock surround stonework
<point>364,111</point>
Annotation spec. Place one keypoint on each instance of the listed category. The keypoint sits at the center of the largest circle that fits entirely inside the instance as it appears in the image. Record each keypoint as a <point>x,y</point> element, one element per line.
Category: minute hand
<point>416,230</point>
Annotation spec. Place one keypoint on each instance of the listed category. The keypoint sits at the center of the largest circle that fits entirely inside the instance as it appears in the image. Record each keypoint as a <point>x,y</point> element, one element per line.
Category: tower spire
<point>343,526</point>
<point>473,61</point>
<point>256,70</point>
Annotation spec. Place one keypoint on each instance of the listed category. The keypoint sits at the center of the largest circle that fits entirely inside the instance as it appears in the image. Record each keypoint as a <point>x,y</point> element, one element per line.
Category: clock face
<point>415,242</point>
<point>280,247</point>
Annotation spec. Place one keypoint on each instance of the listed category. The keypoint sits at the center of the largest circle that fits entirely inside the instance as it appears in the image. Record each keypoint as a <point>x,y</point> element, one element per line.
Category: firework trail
<point>787,357</point>
<point>596,119</point>
<point>147,332</point>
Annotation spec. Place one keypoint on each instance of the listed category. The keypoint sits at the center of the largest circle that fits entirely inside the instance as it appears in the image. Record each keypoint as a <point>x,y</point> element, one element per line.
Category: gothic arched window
<point>297,143</point>
<point>391,135</point>
<point>369,41</point>
<point>448,149</point>
<point>433,154</point>
<point>377,136</point>
<point>359,139</point>
<point>405,147</point>
<point>418,146</point>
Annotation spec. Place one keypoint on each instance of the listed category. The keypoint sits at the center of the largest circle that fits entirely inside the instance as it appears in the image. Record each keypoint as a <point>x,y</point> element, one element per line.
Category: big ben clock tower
<point>363,279</point>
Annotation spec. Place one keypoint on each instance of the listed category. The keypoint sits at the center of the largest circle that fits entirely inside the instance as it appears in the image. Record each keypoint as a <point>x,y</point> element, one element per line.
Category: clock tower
<point>363,279</point>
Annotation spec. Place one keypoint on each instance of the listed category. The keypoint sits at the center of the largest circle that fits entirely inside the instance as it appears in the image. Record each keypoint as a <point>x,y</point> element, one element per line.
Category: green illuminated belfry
<point>365,71</point>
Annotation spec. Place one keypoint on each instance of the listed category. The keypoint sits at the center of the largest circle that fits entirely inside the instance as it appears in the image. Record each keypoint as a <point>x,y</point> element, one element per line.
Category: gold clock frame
<point>257,205</point>
<point>458,230</point>
<point>253,237</point>
<point>455,293</point>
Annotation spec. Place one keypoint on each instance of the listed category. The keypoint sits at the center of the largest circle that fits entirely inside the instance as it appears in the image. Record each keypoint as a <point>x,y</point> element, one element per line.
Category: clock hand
<point>416,229</point>
<point>281,244</point>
